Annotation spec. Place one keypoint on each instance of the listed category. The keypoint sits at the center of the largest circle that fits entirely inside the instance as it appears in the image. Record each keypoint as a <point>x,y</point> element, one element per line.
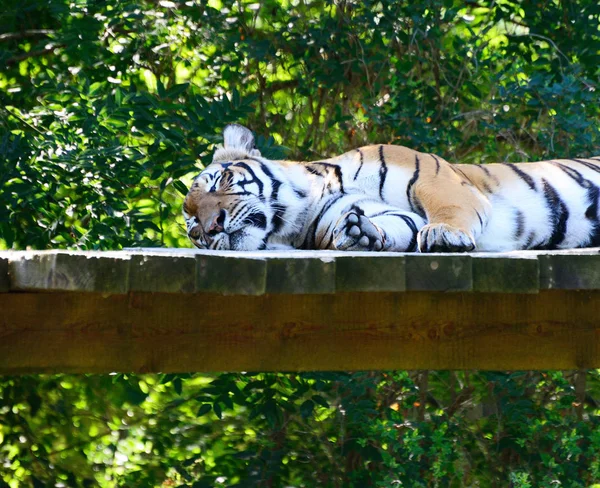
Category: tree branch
<point>277,86</point>
<point>9,36</point>
<point>32,54</point>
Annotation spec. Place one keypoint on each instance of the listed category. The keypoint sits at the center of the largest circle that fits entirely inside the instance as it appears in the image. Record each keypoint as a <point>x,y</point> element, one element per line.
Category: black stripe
<point>453,169</point>
<point>233,209</point>
<point>331,167</point>
<point>355,208</point>
<point>574,174</point>
<point>483,168</point>
<point>595,234</point>
<point>338,174</point>
<point>414,205</point>
<point>247,167</point>
<point>382,172</point>
<point>257,219</point>
<point>592,214</point>
<point>280,209</point>
<point>213,188</point>
<point>524,176</point>
<point>325,234</point>
<point>412,246</point>
<point>407,220</point>
<point>462,174</point>
<point>480,219</point>
<point>388,213</point>
<point>362,158</point>
<point>278,220</point>
<point>314,171</point>
<point>312,230</point>
<point>324,190</point>
<point>530,239</point>
<point>520,230</point>
<point>487,187</point>
<point>266,170</point>
<point>593,193</point>
<point>383,213</point>
<point>587,164</point>
<point>254,179</point>
<point>437,164</point>
<point>559,215</point>
<point>300,193</point>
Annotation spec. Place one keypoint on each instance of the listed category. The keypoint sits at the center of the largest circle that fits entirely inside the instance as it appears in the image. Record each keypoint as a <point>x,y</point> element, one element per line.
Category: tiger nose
<point>218,223</point>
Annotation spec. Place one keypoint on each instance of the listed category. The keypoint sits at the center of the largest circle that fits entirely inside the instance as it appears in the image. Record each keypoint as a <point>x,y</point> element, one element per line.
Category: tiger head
<point>234,203</point>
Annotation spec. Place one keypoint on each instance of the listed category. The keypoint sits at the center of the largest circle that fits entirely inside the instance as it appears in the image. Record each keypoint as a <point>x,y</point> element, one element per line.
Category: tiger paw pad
<point>355,232</point>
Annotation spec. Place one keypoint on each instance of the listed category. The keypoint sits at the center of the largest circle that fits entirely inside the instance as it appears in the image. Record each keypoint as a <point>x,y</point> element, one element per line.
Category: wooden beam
<point>177,310</point>
<point>177,332</point>
<point>296,272</point>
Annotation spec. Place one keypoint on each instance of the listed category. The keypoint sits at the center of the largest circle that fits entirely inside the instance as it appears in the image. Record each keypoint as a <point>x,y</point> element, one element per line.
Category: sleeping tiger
<point>389,198</point>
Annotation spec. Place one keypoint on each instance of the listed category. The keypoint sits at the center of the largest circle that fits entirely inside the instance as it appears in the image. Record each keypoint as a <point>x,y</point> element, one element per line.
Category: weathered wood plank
<point>301,275</point>
<point>570,271</point>
<point>512,274</point>
<point>235,275</point>
<point>150,332</point>
<point>297,272</point>
<point>439,272</point>
<point>106,272</point>
<point>4,280</point>
<point>361,273</point>
<point>162,273</point>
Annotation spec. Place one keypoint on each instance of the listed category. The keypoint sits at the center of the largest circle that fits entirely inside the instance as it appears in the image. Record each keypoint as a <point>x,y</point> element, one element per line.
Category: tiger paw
<point>355,232</point>
<point>444,238</point>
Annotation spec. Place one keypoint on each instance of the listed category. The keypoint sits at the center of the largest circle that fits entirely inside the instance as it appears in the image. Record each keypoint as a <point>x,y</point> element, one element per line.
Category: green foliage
<point>108,109</point>
<point>312,429</point>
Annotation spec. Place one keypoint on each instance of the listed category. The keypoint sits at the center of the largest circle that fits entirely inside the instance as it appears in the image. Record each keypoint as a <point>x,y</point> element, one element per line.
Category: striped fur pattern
<point>390,198</point>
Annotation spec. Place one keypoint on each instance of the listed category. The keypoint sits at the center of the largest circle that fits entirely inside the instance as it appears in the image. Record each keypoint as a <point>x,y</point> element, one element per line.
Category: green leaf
<point>180,187</point>
<point>218,411</point>
<point>178,385</point>
<point>204,409</point>
<point>177,90</point>
<point>306,409</point>
<point>319,400</point>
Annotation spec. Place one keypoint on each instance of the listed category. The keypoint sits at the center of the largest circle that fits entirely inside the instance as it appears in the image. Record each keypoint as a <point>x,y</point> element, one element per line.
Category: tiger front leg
<point>456,212</point>
<point>358,224</point>
<point>387,229</point>
<point>355,232</point>
<point>443,237</point>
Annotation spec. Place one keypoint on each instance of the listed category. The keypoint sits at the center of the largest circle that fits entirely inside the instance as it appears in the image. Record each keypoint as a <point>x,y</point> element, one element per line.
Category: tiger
<point>389,198</point>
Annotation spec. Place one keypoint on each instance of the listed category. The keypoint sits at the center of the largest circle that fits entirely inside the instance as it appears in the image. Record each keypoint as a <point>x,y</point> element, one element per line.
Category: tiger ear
<point>238,143</point>
<point>238,137</point>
